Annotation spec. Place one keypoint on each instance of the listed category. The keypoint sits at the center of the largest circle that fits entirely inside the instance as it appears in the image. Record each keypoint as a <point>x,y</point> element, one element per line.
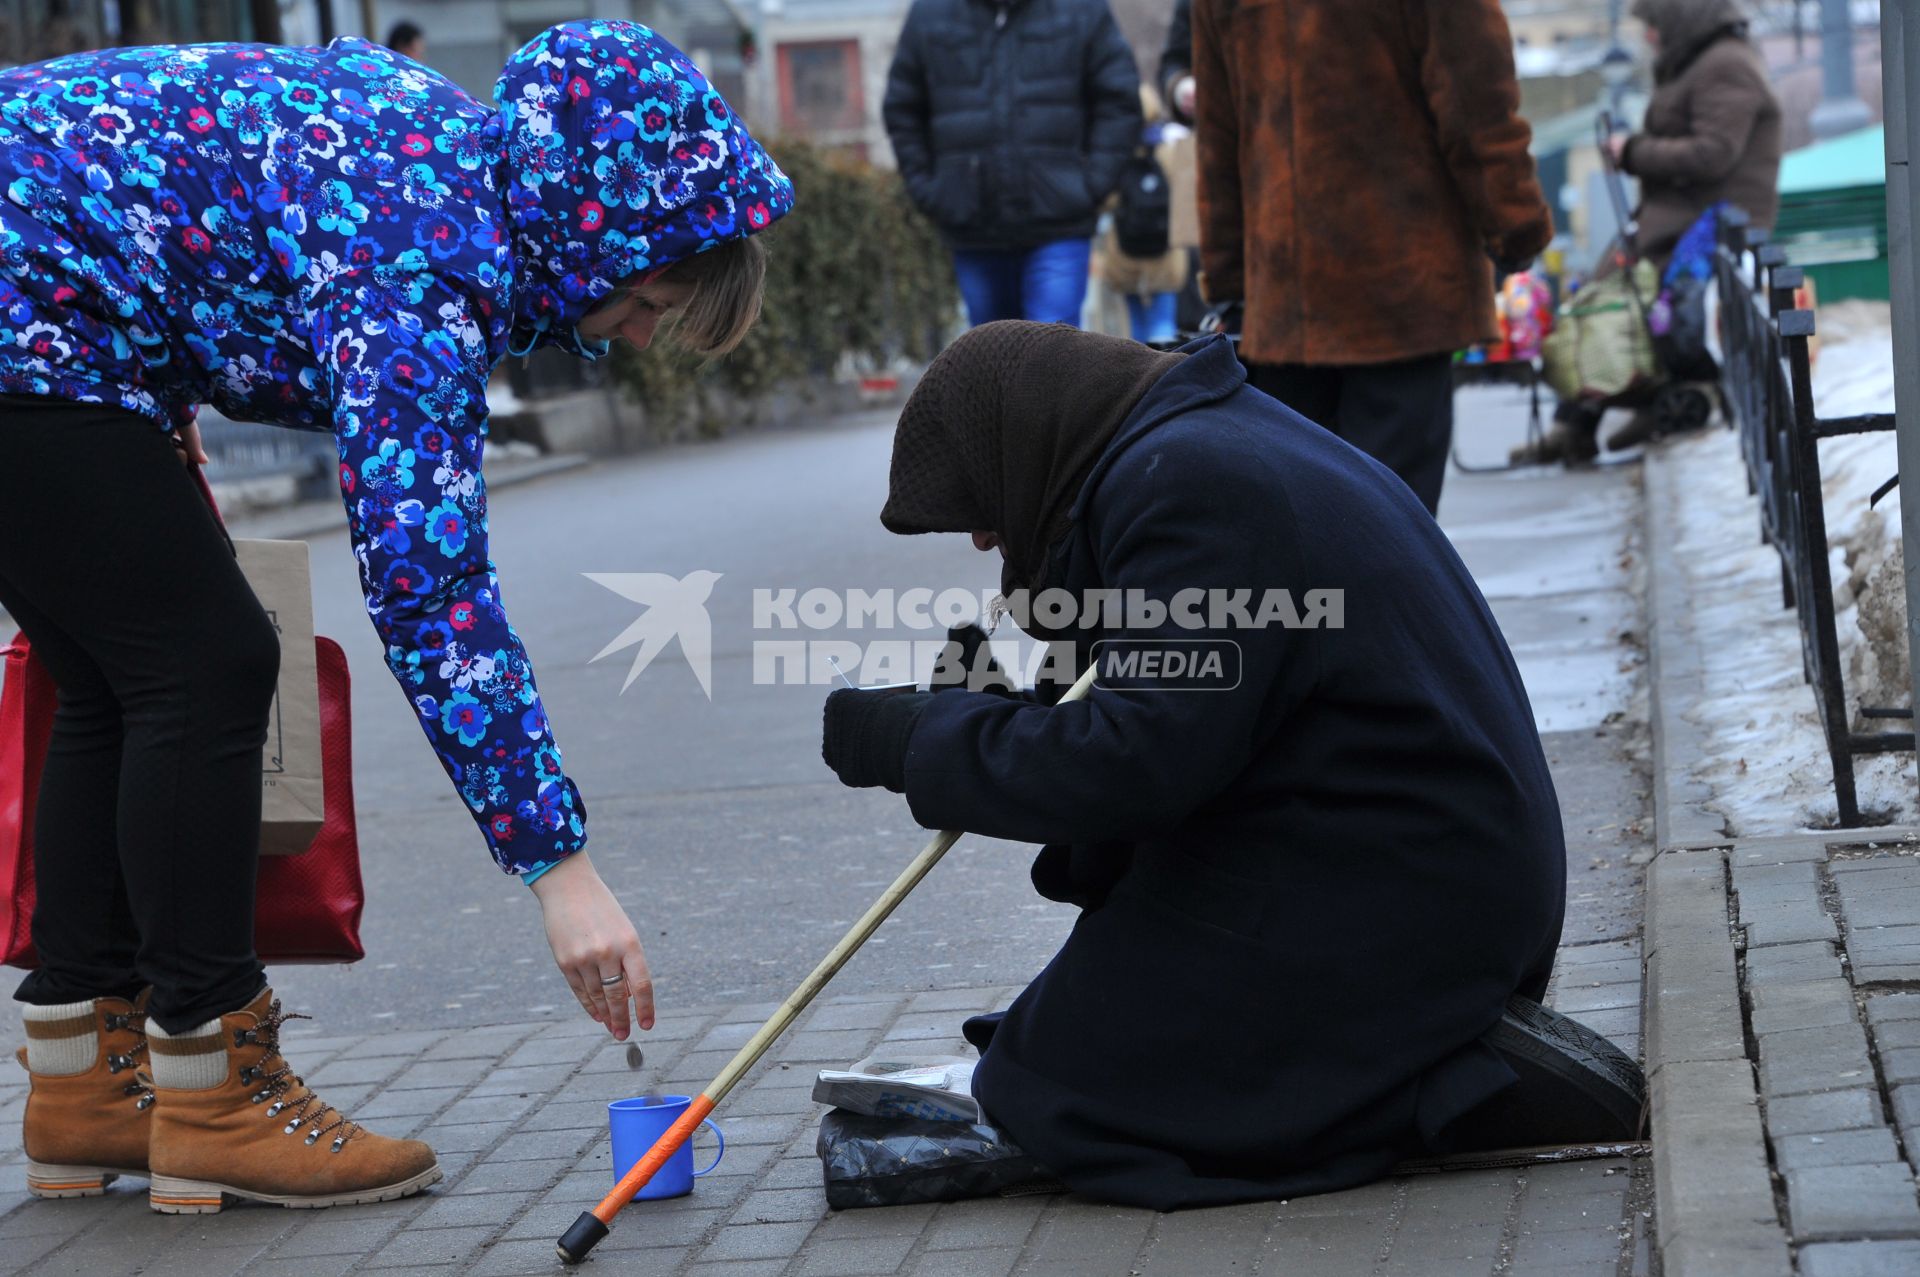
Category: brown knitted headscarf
<point>1686,28</point>
<point>1002,430</point>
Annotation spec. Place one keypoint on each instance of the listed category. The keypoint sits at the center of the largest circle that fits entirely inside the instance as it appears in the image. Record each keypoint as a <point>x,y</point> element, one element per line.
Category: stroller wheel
<point>1682,407</point>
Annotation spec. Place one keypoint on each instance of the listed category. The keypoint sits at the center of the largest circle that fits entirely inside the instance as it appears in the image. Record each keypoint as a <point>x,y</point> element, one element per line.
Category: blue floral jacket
<point>340,239</point>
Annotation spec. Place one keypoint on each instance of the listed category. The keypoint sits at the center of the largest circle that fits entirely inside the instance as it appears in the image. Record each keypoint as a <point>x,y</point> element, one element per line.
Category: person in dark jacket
<point>1711,135</point>
<point>1011,122</point>
<point>1309,889</point>
<point>1362,252</point>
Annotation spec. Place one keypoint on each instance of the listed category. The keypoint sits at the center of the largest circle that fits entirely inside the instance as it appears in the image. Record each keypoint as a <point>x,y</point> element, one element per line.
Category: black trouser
<point>148,827</point>
<point>1400,414</point>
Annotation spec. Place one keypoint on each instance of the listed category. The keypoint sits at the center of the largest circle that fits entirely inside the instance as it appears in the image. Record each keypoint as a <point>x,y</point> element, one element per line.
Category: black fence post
<point>1820,640</point>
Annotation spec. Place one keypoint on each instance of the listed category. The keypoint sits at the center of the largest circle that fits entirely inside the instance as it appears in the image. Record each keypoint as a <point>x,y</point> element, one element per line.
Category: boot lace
<point>309,1110</point>
<point>140,1089</point>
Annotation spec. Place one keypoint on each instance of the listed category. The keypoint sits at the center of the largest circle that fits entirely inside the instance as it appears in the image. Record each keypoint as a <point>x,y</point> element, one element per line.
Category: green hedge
<point>853,268</point>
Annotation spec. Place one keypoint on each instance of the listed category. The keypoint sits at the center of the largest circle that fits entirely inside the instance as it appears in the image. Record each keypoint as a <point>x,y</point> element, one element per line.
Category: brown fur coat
<point>1360,162</point>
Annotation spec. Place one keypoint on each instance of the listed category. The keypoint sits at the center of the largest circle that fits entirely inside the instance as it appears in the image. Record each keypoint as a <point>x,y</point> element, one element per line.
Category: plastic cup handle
<point>719,1153</point>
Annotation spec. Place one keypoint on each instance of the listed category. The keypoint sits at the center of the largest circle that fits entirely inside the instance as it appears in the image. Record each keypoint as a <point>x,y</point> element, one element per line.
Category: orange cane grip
<point>647,1167</point>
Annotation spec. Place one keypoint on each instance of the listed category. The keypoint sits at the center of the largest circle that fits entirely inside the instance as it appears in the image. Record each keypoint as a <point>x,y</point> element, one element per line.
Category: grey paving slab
<point>514,1259</point>
<point>979,1224</point>
<point>1098,1238</point>
<point>1743,1253</point>
<point>1710,1161</point>
<point>1326,1246</point>
<point>893,1221</point>
<point>310,1266</point>
<point>1900,1066</point>
<point>854,1257</point>
<point>344,1071</point>
<point>465,1138</point>
<point>1778,1008</point>
<point>345,1233</point>
<point>1831,1202</point>
<point>1791,963</point>
<point>757,1241</point>
<point>1575,1251</point>
<point>1693,1005</point>
<point>1802,1061</point>
<point>1220,1241</point>
<point>1861,1146</point>
<point>1888,1008</point>
<point>421,1247</point>
<point>1686,899</point>
<point>1860,1259</point>
<point>997,1261</point>
<point>1829,1111</point>
<point>1793,921</point>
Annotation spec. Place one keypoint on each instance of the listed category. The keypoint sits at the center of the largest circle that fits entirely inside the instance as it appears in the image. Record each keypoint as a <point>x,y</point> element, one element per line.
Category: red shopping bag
<point>307,907</point>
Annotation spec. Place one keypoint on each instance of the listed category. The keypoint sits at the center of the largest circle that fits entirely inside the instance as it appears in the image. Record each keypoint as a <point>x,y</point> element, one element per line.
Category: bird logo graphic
<point>676,607</point>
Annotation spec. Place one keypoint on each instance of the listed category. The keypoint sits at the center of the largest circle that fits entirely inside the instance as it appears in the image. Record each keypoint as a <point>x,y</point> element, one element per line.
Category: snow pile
<point>1766,762</point>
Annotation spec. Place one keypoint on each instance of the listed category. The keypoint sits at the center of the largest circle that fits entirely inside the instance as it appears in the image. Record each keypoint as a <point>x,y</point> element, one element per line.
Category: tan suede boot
<point>86,1128</point>
<point>230,1119</point>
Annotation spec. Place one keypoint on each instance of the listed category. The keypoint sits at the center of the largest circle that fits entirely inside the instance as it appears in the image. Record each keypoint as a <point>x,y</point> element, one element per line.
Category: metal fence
<point>1768,381</point>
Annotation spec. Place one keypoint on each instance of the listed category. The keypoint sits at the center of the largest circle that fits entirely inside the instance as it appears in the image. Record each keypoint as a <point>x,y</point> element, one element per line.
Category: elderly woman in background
<point>1711,136</point>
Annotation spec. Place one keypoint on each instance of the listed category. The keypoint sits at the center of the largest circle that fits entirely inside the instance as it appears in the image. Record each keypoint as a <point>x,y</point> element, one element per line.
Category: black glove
<point>961,664</point>
<point>864,736</point>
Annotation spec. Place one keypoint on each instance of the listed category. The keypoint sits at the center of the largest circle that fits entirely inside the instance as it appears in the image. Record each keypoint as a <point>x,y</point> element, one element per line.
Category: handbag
<point>307,906</point>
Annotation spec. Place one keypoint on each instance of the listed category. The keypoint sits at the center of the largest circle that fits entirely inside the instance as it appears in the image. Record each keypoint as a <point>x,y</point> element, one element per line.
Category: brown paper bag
<point>293,800</point>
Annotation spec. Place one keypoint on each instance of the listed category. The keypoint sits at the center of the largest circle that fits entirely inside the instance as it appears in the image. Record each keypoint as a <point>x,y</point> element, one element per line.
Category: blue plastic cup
<point>638,1125</point>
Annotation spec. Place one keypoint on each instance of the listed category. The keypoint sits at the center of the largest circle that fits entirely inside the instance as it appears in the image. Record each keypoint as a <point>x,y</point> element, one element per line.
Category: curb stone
<point>1712,1179</point>
<point>1674,669</point>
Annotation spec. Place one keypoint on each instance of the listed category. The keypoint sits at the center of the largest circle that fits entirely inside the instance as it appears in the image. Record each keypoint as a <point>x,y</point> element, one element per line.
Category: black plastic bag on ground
<point>887,1161</point>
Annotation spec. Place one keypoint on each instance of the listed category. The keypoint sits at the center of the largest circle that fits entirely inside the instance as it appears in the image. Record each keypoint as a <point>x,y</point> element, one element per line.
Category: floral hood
<point>619,158</point>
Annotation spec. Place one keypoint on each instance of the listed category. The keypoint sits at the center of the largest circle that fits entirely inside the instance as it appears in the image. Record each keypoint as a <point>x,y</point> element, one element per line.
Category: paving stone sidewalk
<point>518,1114</point>
<point>1784,1048</point>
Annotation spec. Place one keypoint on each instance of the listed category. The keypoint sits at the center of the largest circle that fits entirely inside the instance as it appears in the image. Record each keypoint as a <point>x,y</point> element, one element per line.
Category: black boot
<point>1575,1087</point>
<point>1571,440</point>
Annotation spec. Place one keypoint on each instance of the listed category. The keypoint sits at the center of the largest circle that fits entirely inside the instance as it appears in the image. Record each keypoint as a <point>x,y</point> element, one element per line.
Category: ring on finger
<point>618,978</point>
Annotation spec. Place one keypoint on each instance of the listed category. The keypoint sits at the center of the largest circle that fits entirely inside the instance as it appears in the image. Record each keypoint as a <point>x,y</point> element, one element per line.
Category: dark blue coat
<point>1305,899</point>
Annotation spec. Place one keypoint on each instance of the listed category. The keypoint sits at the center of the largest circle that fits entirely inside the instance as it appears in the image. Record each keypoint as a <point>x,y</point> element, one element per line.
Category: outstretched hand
<point>595,946</point>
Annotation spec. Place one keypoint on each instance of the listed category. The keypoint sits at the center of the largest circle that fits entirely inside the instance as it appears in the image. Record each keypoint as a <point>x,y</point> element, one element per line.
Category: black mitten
<point>864,736</point>
<point>963,665</point>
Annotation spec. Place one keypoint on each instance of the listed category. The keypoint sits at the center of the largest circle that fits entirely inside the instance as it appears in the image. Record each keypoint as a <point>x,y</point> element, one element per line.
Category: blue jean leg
<point>1151,317</point>
<point>1054,283</point>
<point>989,284</point>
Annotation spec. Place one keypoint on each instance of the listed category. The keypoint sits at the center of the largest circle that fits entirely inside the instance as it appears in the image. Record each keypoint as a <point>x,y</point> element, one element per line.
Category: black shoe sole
<point>1575,1086</point>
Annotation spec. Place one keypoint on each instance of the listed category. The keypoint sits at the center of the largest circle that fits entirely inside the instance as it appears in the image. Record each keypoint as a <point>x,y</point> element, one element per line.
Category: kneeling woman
<point>333,240</point>
<point>1310,890</point>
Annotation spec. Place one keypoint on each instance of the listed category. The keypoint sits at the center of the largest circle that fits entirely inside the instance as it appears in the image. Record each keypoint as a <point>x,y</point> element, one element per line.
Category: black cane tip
<point>586,1233</point>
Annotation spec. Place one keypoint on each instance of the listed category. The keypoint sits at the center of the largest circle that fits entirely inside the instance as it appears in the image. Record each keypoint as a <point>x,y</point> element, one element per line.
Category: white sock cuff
<point>191,1060</point>
<point>62,1040</point>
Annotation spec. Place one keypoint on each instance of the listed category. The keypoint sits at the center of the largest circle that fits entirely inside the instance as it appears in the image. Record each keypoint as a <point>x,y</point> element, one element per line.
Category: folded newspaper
<point>935,1090</point>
